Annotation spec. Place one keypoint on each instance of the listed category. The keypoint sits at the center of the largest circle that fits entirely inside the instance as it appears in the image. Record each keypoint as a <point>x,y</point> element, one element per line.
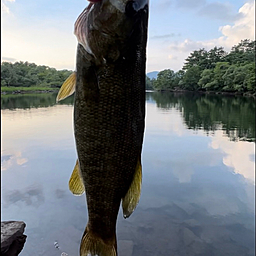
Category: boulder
<point>12,237</point>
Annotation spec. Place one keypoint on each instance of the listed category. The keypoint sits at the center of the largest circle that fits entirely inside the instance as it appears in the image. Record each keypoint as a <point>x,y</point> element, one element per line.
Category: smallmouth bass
<point>109,115</point>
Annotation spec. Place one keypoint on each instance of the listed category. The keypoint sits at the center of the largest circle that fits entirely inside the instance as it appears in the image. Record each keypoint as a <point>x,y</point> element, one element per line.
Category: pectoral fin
<point>76,185</point>
<point>67,88</point>
<point>131,199</point>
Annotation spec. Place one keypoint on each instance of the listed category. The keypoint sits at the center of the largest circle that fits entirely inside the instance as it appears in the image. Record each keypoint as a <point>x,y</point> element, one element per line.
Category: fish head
<point>105,26</point>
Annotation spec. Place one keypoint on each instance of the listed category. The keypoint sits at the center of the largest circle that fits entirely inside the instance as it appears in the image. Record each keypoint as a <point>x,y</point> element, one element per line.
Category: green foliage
<point>165,79</point>
<point>244,52</point>
<point>24,74</point>
<point>206,80</point>
<point>149,83</point>
<point>213,70</point>
<point>196,59</point>
<point>191,78</point>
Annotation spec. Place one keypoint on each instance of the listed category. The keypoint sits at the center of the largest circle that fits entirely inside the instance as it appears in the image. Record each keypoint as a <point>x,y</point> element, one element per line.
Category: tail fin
<point>92,245</point>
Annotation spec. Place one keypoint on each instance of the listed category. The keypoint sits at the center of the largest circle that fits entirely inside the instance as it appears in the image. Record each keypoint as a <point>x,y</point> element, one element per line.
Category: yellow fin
<point>132,197</point>
<point>95,246</point>
<point>76,185</point>
<point>67,88</point>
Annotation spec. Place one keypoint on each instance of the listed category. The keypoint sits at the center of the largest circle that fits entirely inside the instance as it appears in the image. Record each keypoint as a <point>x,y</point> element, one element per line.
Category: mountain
<point>152,74</point>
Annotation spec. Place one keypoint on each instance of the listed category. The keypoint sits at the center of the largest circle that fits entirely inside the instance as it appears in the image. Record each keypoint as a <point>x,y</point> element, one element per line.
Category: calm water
<point>198,177</point>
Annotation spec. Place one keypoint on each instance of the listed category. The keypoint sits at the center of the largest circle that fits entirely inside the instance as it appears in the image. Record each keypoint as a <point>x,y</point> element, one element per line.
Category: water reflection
<point>212,112</point>
<point>8,160</point>
<point>19,101</point>
<point>198,177</point>
<point>189,231</point>
<point>31,196</point>
<point>240,156</point>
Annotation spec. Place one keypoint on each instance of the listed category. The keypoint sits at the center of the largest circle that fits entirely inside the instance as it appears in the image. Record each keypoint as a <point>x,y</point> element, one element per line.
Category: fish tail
<point>93,245</point>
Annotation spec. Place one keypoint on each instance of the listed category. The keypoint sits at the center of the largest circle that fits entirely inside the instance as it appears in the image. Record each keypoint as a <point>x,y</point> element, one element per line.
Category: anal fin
<point>76,185</point>
<point>132,197</point>
<point>67,88</point>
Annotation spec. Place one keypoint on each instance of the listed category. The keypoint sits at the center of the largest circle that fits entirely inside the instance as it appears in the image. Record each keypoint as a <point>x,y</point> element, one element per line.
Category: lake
<point>198,187</point>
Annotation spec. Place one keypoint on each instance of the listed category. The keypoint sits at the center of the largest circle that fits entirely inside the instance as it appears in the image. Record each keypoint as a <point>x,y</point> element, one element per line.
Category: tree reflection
<point>233,114</point>
<point>19,101</point>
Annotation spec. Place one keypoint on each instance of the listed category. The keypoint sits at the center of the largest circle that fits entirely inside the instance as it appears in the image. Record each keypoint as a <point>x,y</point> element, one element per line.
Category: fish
<point>109,115</point>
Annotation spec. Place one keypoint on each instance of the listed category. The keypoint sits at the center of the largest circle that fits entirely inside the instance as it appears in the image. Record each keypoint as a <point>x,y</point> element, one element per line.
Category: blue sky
<point>42,31</point>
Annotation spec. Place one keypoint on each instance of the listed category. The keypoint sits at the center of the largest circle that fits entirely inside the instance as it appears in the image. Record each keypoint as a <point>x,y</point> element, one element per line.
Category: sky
<point>41,32</point>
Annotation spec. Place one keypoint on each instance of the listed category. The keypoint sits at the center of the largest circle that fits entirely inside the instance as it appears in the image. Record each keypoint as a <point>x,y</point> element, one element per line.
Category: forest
<point>214,70</point>
<point>29,75</point>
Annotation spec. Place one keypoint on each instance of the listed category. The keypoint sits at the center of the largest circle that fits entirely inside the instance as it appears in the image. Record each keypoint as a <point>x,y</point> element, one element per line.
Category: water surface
<point>198,177</point>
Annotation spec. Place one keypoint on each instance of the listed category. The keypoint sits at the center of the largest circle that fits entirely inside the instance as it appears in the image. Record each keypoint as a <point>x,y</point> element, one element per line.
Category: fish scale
<point>109,115</point>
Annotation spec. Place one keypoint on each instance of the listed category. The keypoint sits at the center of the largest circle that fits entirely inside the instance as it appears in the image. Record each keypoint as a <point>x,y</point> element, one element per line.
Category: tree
<point>29,74</point>
<point>219,71</point>
<point>178,77</point>
<point>8,76</point>
<point>228,78</point>
<point>215,55</point>
<point>191,78</point>
<point>249,82</point>
<point>197,59</point>
<point>206,80</point>
<point>165,80</point>
<point>244,52</point>
<point>149,85</point>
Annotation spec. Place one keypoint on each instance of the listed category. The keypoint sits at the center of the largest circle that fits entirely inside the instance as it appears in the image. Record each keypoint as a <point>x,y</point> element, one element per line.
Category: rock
<point>12,237</point>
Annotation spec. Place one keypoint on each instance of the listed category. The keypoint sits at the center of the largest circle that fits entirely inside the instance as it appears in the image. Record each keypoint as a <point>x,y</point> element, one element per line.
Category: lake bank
<point>25,90</point>
<point>246,94</point>
<point>22,90</point>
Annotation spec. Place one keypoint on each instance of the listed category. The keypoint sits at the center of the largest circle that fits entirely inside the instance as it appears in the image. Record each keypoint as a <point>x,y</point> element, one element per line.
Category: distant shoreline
<point>210,92</point>
<point>175,91</point>
<point>28,91</point>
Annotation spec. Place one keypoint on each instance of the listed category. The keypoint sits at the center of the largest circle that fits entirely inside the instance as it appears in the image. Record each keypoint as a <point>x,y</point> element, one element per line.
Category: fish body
<point>109,115</point>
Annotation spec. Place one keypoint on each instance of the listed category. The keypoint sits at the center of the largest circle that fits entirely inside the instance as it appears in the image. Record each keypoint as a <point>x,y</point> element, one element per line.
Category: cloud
<point>242,28</point>
<point>44,39</point>
<point>188,4</point>
<point>171,57</point>
<point>164,36</point>
<point>219,11</point>
<point>164,5</point>
<point>8,59</point>
<point>5,8</point>
<point>40,44</point>
<point>187,46</point>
